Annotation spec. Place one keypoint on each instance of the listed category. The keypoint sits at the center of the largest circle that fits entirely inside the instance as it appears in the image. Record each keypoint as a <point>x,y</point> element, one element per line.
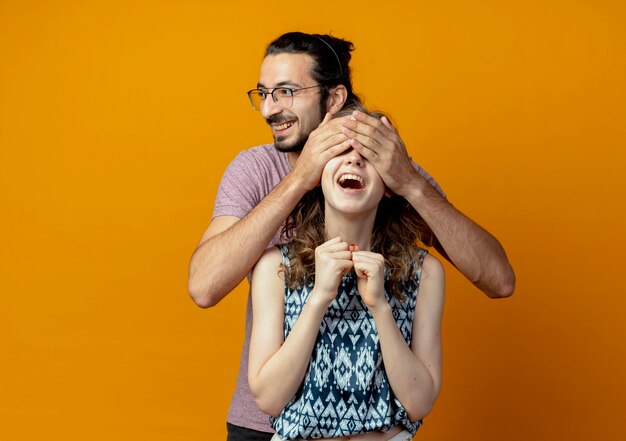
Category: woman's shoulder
<point>426,266</point>
<point>432,276</point>
<point>270,259</point>
<point>431,264</point>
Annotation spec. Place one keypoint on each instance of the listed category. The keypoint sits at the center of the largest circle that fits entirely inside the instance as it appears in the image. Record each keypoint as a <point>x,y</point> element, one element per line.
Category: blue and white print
<point>345,390</point>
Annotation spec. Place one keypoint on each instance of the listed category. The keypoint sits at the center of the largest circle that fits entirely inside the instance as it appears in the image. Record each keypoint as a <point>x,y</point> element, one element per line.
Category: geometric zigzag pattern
<point>345,389</point>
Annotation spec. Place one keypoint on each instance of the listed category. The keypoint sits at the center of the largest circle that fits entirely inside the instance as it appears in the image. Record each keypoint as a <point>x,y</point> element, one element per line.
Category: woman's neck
<point>354,228</point>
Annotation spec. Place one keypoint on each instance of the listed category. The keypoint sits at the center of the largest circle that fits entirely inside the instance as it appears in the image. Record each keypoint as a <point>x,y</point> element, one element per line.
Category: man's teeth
<point>356,178</point>
<point>283,126</point>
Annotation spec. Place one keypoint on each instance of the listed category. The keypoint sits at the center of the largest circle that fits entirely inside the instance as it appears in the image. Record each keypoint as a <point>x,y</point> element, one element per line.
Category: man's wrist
<point>293,185</point>
<point>299,181</point>
<point>414,187</point>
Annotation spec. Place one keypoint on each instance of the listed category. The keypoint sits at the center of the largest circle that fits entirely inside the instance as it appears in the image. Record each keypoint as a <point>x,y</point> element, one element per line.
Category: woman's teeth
<point>351,181</point>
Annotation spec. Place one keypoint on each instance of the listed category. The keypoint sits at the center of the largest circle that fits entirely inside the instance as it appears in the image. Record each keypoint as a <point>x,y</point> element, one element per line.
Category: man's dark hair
<point>331,57</point>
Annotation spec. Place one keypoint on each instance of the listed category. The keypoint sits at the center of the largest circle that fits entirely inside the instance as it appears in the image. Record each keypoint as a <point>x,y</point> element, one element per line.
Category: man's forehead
<point>286,69</point>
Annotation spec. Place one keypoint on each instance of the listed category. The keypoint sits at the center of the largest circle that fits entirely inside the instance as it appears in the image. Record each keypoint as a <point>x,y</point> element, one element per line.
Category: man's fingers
<point>319,153</point>
<point>371,155</point>
<point>327,118</point>
<point>332,141</point>
<point>367,141</point>
<point>330,133</point>
<point>353,126</point>
<point>387,123</point>
<point>335,150</point>
<point>367,125</point>
<point>329,124</point>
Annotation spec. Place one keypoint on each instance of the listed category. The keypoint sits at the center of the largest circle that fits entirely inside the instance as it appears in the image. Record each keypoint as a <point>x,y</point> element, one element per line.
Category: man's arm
<point>471,249</point>
<point>230,246</point>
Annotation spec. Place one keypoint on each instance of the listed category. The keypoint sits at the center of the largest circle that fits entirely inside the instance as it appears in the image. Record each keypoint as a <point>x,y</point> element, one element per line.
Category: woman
<point>346,340</point>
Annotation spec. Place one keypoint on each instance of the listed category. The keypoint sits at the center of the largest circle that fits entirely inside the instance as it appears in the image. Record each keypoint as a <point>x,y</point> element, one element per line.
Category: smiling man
<point>304,80</point>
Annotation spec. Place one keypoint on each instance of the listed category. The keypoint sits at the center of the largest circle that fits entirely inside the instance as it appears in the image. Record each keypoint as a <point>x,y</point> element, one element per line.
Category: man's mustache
<point>277,119</point>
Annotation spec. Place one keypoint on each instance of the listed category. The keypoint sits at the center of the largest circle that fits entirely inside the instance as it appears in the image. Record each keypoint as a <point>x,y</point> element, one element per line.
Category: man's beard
<point>297,146</point>
<point>299,143</point>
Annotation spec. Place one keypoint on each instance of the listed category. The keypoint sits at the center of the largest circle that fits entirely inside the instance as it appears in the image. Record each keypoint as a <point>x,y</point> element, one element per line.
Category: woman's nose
<point>353,157</point>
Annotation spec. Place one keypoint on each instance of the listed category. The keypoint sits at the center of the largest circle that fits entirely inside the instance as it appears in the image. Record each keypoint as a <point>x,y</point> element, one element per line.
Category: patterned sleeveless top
<point>345,389</point>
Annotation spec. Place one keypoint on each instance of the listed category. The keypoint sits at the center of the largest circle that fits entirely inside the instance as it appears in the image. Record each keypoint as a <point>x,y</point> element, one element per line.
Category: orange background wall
<point>117,119</point>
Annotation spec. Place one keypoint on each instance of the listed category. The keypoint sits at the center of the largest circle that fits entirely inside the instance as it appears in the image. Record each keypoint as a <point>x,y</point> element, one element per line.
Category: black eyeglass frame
<point>263,93</point>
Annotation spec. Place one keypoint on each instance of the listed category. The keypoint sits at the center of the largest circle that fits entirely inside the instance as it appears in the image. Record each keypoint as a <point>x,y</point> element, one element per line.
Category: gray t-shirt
<point>247,180</point>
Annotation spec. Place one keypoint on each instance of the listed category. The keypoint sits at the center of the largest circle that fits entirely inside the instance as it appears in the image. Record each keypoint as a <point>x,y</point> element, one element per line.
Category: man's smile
<point>279,123</point>
<point>283,126</point>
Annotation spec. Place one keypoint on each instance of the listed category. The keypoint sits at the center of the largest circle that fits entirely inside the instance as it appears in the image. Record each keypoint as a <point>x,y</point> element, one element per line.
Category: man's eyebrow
<point>279,84</point>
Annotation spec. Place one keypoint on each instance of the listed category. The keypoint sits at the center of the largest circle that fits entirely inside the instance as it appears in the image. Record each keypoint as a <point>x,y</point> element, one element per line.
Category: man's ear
<point>336,99</point>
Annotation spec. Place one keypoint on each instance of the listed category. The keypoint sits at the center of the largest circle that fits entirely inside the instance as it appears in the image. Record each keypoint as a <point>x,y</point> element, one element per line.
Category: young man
<point>304,79</point>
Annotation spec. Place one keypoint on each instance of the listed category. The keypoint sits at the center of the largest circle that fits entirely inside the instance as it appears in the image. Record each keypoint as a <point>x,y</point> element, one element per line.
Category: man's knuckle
<point>370,131</point>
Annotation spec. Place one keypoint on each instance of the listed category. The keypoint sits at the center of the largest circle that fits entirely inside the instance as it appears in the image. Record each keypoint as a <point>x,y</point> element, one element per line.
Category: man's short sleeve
<point>429,178</point>
<point>240,189</point>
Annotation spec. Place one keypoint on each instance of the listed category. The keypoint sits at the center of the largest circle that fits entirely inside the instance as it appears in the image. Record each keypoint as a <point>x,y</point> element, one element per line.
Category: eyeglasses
<point>283,96</point>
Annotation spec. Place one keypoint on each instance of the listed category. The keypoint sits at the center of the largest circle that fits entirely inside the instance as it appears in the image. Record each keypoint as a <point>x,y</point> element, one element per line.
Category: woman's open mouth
<point>349,181</point>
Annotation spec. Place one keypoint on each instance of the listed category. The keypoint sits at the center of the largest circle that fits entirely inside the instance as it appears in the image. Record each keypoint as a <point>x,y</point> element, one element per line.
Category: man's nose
<point>269,107</point>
